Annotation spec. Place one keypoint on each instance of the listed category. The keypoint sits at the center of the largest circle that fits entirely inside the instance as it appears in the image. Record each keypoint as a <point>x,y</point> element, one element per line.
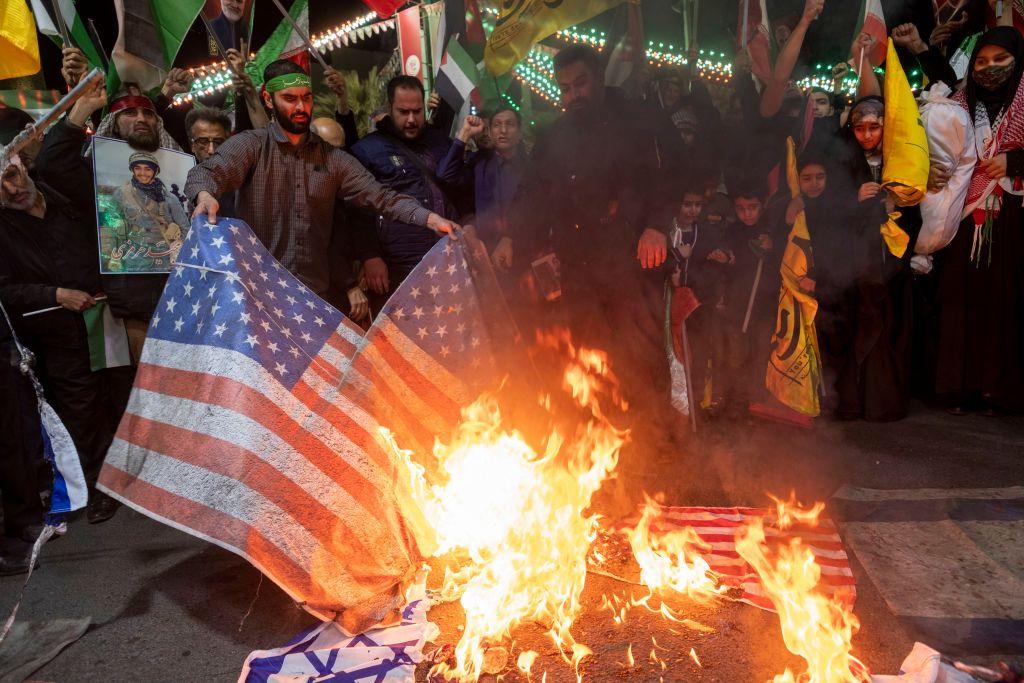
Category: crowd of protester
<point>628,194</point>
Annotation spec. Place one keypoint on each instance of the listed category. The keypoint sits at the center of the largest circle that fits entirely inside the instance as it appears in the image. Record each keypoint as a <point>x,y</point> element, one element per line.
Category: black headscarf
<point>1010,39</point>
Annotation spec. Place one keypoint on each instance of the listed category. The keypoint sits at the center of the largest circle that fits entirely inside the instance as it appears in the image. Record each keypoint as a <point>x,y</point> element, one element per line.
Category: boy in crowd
<point>700,278</point>
<point>751,302</point>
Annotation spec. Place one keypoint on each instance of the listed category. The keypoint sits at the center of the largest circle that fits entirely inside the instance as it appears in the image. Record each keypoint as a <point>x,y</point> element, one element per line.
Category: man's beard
<point>289,125</point>
<point>147,141</point>
<point>231,14</point>
<point>25,205</point>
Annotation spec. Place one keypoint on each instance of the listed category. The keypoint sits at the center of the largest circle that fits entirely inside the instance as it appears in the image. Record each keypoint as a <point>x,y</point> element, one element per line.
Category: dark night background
<point>827,41</point>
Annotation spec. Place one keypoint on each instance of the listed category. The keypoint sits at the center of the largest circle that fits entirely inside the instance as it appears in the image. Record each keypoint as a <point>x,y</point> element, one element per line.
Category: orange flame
<point>671,561</point>
<point>515,520</point>
<point>817,627</point>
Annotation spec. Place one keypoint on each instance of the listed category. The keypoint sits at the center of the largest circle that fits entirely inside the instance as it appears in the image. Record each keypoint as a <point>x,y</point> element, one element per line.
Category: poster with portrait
<point>230,20</point>
<point>141,212</point>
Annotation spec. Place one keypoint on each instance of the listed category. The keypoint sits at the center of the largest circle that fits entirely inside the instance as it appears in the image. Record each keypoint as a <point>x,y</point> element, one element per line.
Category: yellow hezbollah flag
<point>523,23</point>
<point>904,151</point>
<point>904,142</point>
<point>794,370</point>
<point>19,50</point>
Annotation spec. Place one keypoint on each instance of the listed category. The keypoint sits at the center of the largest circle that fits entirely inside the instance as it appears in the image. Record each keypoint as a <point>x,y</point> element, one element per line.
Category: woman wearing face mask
<point>980,286</point>
<point>871,286</point>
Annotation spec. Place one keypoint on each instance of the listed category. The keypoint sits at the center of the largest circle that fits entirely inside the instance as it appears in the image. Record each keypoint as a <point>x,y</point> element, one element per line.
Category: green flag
<point>107,337</point>
<point>150,33</point>
<point>64,11</point>
<point>283,43</point>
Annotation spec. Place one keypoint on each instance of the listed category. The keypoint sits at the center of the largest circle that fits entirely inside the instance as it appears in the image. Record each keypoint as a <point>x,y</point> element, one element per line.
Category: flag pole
<point>753,293</point>
<point>91,30</point>
<point>746,19</point>
<point>302,34</point>
<point>22,139</point>
<point>62,27</point>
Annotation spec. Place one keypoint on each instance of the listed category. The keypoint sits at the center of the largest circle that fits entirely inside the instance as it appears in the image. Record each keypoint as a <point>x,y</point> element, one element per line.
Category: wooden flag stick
<point>302,33</point>
<point>753,293</point>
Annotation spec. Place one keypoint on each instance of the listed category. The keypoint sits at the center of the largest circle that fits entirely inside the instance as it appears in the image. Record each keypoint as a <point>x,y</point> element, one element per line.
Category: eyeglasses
<point>206,142</point>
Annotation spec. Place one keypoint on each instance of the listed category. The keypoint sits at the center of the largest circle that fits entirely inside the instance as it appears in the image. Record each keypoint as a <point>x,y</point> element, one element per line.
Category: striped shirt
<point>287,194</point>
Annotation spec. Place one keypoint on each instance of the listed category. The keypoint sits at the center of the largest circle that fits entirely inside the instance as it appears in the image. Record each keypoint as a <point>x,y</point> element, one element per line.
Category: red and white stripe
<point>717,527</point>
<point>298,482</point>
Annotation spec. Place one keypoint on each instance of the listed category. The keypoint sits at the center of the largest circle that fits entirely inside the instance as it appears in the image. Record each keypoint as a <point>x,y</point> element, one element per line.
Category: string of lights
<point>536,70</point>
<point>216,76</point>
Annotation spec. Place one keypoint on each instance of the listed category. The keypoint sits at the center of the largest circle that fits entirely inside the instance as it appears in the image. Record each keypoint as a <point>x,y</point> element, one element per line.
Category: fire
<point>671,561</point>
<point>815,626</point>
<point>517,521</point>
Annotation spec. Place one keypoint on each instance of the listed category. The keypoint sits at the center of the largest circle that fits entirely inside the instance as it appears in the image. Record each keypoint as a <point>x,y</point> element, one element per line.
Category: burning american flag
<point>254,420</point>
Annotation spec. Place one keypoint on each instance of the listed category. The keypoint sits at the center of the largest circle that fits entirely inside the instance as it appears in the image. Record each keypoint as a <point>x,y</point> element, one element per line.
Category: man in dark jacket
<point>403,154</point>
<point>596,192</point>
<point>48,258</point>
<point>20,446</point>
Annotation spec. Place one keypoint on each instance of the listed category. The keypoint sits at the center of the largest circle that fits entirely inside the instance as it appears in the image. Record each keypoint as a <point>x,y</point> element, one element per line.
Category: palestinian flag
<point>457,48</point>
<point>150,33</point>
<point>283,43</point>
<point>108,339</point>
<point>58,18</point>
<point>457,79</point>
<point>872,22</point>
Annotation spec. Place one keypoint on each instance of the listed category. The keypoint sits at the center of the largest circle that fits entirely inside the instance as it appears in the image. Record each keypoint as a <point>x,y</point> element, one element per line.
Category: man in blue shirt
<point>404,154</point>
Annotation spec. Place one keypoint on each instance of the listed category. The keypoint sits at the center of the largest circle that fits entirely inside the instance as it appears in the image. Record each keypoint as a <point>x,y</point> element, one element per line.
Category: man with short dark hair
<point>287,181</point>
<point>404,154</point>
<point>597,193</point>
<point>207,130</point>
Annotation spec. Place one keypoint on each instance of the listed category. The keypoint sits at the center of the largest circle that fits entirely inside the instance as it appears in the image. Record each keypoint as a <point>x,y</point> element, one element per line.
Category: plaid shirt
<point>287,193</point>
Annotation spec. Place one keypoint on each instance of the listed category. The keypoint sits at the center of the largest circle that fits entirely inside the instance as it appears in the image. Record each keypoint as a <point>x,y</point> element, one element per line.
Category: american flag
<point>254,419</point>
<point>717,527</point>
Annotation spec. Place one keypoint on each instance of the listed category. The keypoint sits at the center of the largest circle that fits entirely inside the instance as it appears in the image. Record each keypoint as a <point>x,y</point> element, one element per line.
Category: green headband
<point>287,81</point>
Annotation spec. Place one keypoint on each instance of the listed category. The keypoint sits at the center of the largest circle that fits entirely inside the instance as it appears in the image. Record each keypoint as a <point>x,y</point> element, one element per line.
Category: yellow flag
<point>524,23</point>
<point>794,369</point>
<point>19,50</point>
<point>895,239</point>
<point>904,141</point>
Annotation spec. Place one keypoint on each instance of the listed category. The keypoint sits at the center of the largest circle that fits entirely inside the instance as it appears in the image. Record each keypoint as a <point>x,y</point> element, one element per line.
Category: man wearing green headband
<point>288,179</point>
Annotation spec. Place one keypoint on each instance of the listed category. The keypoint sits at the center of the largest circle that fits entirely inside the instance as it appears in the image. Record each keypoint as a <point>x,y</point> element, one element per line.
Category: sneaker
<point>101,508</point>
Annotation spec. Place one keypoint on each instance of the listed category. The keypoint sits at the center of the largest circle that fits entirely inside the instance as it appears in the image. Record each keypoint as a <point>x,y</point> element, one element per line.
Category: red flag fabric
<point>410,42</point>
<point>757,36</point>
<point>872,22</point>
<point>384,8</point>
<point>717,527</point>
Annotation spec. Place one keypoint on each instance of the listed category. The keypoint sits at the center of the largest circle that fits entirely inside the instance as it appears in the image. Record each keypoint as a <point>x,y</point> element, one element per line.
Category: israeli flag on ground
<point>325,654</point>
<point>70,492</point>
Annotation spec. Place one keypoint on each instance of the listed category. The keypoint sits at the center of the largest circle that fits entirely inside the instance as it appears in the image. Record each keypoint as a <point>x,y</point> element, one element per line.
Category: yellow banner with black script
<point>794,369</point>
<point>523,23</point>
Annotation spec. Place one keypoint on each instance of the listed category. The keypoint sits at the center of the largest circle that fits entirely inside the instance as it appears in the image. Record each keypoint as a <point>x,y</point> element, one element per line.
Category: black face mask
<point>994,77</point>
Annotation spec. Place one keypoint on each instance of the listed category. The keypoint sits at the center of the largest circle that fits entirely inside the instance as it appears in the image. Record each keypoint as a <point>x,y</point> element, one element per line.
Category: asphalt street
<point>168,607</point>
